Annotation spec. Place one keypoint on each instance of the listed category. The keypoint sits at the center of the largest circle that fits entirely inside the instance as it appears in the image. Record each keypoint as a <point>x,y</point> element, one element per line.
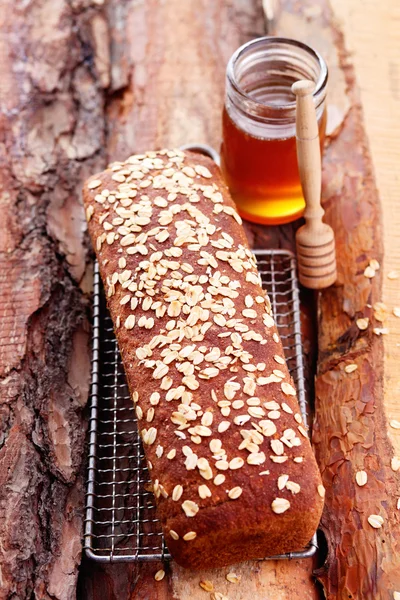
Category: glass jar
<point>258,153</point>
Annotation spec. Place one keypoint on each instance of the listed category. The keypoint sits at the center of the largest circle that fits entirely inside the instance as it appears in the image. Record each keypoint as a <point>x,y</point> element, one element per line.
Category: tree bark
<point>52,138</point>
<point>351,431</point>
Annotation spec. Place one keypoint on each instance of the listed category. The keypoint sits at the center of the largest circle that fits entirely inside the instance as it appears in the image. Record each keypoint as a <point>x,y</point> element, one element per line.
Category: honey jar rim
<point>320,84</point>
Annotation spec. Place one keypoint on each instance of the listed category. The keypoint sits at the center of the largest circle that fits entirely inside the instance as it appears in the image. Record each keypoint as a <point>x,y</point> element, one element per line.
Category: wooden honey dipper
<point>315,241</point>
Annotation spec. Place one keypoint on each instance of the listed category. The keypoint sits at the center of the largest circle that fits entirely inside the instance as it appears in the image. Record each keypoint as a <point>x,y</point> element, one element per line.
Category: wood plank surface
<point>354,412</point>
<point>171,97</point>
<point>372,38</point>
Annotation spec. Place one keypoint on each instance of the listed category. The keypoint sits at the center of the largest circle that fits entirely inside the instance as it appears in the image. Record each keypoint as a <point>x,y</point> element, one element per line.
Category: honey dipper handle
<point>308,150</point>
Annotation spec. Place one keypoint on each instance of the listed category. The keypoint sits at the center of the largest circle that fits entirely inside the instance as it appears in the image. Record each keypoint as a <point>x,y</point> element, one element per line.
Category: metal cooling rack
<point>121,524</point>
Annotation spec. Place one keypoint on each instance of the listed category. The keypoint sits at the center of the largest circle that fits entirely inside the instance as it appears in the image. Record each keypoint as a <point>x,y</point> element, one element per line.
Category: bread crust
<point>203,361</point>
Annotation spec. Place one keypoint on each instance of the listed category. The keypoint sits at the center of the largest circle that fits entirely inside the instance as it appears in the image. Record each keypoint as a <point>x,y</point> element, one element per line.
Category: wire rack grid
<point>121,523</point>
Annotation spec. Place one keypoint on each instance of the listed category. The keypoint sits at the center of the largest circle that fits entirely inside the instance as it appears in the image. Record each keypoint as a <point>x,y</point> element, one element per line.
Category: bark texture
<point>351,429</point>
<point>52,137</point>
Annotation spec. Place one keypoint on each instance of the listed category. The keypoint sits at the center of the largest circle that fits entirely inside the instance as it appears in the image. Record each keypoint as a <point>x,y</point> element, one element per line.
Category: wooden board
<point>352,431</point>
<point>172,97</point>
<point>374,34</point>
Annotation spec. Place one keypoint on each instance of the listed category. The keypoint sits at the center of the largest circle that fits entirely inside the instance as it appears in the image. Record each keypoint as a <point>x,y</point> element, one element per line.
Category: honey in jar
<point>258,153</point>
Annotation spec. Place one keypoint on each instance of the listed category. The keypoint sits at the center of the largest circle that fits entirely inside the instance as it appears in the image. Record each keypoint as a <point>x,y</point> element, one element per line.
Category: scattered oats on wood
<point>396,311</point>
<point>380,311</point>
<point>380,330</point>
<point>361,478</point>
<point>351,368</point>
<point>362,323</point>
<point>395,463</point>
<point>369,272</point>
<point>376,521</point>
<point>374,264</point>
<point>396,595</point>
<point>393,275</point>
<point>395,424</point>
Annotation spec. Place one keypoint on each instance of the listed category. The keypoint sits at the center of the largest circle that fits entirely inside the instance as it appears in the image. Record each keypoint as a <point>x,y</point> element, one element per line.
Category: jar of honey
<point>258,153</point>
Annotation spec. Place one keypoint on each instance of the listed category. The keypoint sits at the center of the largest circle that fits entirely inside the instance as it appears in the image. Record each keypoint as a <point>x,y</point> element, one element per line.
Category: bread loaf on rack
<point>231,464</point>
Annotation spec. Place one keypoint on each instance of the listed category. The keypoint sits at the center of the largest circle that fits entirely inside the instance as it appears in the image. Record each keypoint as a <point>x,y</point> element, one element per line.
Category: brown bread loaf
<point>232,468</point>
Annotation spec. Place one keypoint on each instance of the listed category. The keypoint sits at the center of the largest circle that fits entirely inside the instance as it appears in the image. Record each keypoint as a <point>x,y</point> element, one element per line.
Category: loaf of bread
<point>231,464</point>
